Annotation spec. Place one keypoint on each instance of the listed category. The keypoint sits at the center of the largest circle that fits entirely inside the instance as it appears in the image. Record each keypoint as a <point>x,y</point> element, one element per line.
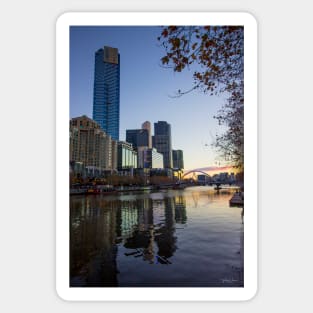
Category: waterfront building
<point>163,172</point>
<point>223,177</point>
<point>203,179</point>
<point>232,178</point>
<point>77,171</point>
<point>137,137</point>
<point>143,174</point>
<point>146,125</point>
<point>106,93</point>
<point>162,141</point>
<point>149,158</point>
<point>90,145</point>
<point>178,159</point>
<point>126,157</point>
<point>114,154</point>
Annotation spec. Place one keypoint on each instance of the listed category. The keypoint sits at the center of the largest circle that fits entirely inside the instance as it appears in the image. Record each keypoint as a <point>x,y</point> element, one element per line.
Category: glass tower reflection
<point>92,243</point>
<point>147,239</point>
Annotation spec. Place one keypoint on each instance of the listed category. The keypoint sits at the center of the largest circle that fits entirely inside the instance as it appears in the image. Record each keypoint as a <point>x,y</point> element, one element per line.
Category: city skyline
<point>145,90</point>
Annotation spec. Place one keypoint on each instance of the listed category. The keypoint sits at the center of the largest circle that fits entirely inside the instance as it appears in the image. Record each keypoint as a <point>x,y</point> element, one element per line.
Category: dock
<point>236,199</point>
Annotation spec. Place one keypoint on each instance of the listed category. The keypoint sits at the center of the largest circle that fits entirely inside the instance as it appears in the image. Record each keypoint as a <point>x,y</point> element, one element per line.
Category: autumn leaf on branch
<point>219,52</point>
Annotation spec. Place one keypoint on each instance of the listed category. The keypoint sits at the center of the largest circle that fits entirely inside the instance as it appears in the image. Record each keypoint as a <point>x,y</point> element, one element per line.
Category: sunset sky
<point>146,89</point>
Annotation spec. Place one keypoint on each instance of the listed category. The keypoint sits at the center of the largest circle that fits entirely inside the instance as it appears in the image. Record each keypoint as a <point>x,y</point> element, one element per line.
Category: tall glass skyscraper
<point>137,137</point>
<point>146,125</point>
<point>178,159</point>
<point>162,141</point>
<point>106,92</point>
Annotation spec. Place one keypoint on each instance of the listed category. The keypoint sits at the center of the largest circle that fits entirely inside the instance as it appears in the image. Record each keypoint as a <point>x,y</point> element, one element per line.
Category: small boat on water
<point>134,188</point>
<point>101,189</point>
<point>77,191</point>
<point>92,190</point>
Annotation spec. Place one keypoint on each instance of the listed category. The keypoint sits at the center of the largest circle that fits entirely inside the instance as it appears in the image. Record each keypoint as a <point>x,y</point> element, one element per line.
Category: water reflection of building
<point>133,214</point>
<point>92,244</point>
<point>145,214</point>
<point>180,210</point>
<point>153,236</point>
<point>164,237</point>
<point>140,238</point>
<point>127,218</point>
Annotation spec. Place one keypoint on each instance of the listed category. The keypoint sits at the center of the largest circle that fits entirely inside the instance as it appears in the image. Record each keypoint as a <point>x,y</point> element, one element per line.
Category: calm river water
<point>170,238</point>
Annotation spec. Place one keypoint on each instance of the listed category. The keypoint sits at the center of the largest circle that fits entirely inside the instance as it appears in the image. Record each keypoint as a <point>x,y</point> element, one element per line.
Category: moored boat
<point>236,199</point>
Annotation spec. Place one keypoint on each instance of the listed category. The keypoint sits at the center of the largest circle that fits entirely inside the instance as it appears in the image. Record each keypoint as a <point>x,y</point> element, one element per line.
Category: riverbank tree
<point>215,55</point>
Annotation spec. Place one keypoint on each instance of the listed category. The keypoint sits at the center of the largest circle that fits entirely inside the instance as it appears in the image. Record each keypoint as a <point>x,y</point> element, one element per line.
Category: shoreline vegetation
<point>111,186</point>
<point>110,189</point>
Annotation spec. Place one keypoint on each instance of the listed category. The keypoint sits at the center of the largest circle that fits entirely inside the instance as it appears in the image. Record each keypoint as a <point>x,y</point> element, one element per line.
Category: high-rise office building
<point>146,125</point>
<point>106,92</point>
<point>178,159</point>
<point>114,153</point>
<point>126,156</point>
<point>137,137</point>
<point>149,158</point>
<point>162,141</point>
<point>90,145</point>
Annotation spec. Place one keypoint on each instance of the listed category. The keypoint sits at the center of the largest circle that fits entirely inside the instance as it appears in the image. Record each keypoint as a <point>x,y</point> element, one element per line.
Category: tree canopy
<point>215,54</point>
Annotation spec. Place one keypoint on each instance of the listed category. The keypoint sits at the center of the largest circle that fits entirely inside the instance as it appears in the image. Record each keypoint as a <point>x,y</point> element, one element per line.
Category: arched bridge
<point>215,183</point>
<point>195,171</point>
